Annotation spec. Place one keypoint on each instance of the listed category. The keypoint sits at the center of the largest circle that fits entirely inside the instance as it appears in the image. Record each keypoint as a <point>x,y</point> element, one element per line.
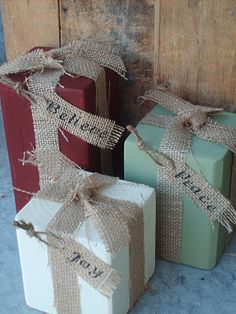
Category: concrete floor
<point>174,289</point>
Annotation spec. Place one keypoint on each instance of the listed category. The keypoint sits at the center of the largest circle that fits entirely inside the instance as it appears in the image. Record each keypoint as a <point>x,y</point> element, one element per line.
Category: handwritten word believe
<point>75,120</point>
<point>185,176</point>
<point>93,271</point>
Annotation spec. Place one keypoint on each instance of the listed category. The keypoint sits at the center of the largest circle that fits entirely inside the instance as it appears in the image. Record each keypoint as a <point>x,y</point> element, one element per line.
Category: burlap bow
<point>175,177</point>
<point>117,222</point>
<point>193,119</point>
<point>52,113</point>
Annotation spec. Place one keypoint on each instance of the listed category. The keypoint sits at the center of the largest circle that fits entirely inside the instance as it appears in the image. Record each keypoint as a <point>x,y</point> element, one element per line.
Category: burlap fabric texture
<point>50,112</point>
<point>175,178</point>
<point>119,223</point>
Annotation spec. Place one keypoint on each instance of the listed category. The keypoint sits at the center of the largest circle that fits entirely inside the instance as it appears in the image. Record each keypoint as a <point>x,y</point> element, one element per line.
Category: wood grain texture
<point>217,53</point>
<point>197,49</point>
<point>189,43</point>
<point>178,46</point>
<point>128,24</point>
<point>29,23</point>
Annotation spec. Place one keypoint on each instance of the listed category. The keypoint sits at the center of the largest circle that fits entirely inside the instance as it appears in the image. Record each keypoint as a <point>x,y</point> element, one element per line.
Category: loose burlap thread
<point>81,58</point>
<point>118,223</point>
<point>175,178</point>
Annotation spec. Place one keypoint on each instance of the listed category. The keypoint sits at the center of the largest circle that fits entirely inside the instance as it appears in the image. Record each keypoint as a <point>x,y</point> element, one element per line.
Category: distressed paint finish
<point>128,24</point>
<point>197,51</point>
<point>29,23</point>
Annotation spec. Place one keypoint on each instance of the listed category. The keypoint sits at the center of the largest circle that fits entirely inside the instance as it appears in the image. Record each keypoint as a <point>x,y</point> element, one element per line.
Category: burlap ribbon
<point>52,113</point>
<point>175,177</point>
<point>118,223</point>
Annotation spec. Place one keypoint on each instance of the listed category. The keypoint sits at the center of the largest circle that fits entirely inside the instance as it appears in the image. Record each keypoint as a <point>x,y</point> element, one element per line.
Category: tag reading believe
<point>75,120</point>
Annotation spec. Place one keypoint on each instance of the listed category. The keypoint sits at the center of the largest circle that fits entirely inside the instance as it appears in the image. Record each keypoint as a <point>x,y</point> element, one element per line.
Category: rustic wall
<point>127,23</point>
<point>29,23</point>
<point>189,43</point>
<point>197,49</point>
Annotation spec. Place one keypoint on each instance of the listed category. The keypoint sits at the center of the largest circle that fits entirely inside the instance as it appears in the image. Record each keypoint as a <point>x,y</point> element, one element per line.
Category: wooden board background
<point>29,23</point>
<point>189,43</point>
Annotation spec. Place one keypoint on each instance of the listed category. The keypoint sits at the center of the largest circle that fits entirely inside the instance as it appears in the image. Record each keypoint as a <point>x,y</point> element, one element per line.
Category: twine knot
<point>194,119</point>
<point>140,144</point>
<point>160,158</point>
<point>31,231</point>
<point>28,227</point>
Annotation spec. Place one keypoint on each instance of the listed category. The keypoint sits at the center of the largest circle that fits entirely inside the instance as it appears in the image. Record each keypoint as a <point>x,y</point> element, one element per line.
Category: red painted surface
<point>18,124</point>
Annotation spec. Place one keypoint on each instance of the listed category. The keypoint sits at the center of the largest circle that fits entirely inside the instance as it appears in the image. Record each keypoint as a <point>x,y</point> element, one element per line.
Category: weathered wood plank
<point>29,23</point>
<point>197,52</point>
<point>217,53</point>
<point>129,24</point>
<point>190,43</point>
<point>179,46</point>
<point>156,44</point>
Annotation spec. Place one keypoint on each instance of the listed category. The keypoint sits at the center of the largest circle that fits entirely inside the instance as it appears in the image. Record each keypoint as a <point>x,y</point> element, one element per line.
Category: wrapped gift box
<point>202,245</point>
<point>17,118</point>
<point>36,274</point>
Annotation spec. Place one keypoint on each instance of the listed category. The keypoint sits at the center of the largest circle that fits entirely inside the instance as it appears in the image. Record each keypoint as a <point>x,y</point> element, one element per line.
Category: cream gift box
<point>38,285</point>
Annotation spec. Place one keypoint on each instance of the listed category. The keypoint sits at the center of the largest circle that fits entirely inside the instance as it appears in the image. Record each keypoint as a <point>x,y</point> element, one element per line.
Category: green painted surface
<point>202,245</point>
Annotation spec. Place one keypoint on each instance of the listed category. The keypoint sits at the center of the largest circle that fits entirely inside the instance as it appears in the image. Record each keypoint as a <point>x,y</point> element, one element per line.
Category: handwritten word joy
<point>93,271</point>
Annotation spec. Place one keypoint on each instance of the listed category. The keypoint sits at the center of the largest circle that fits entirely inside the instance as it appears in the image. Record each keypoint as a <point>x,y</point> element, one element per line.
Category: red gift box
<point>18,123</point>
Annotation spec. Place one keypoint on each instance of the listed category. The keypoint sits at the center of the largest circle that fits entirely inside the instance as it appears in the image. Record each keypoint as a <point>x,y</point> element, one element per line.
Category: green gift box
<point>202,242</point>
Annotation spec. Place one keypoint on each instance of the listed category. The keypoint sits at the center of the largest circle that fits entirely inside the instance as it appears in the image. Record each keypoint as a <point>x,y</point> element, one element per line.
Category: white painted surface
<point>36,274</point>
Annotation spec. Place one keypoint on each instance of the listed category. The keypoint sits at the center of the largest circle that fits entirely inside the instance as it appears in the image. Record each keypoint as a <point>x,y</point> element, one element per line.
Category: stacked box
<point>17,118</point>
<point>201,244</point>
<point>37,279</point>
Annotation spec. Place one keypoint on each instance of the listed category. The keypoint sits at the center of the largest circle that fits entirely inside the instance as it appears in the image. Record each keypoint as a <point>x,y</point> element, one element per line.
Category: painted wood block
<point>202,246</point>
<point>38,286</point>
<point>18,124</point>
